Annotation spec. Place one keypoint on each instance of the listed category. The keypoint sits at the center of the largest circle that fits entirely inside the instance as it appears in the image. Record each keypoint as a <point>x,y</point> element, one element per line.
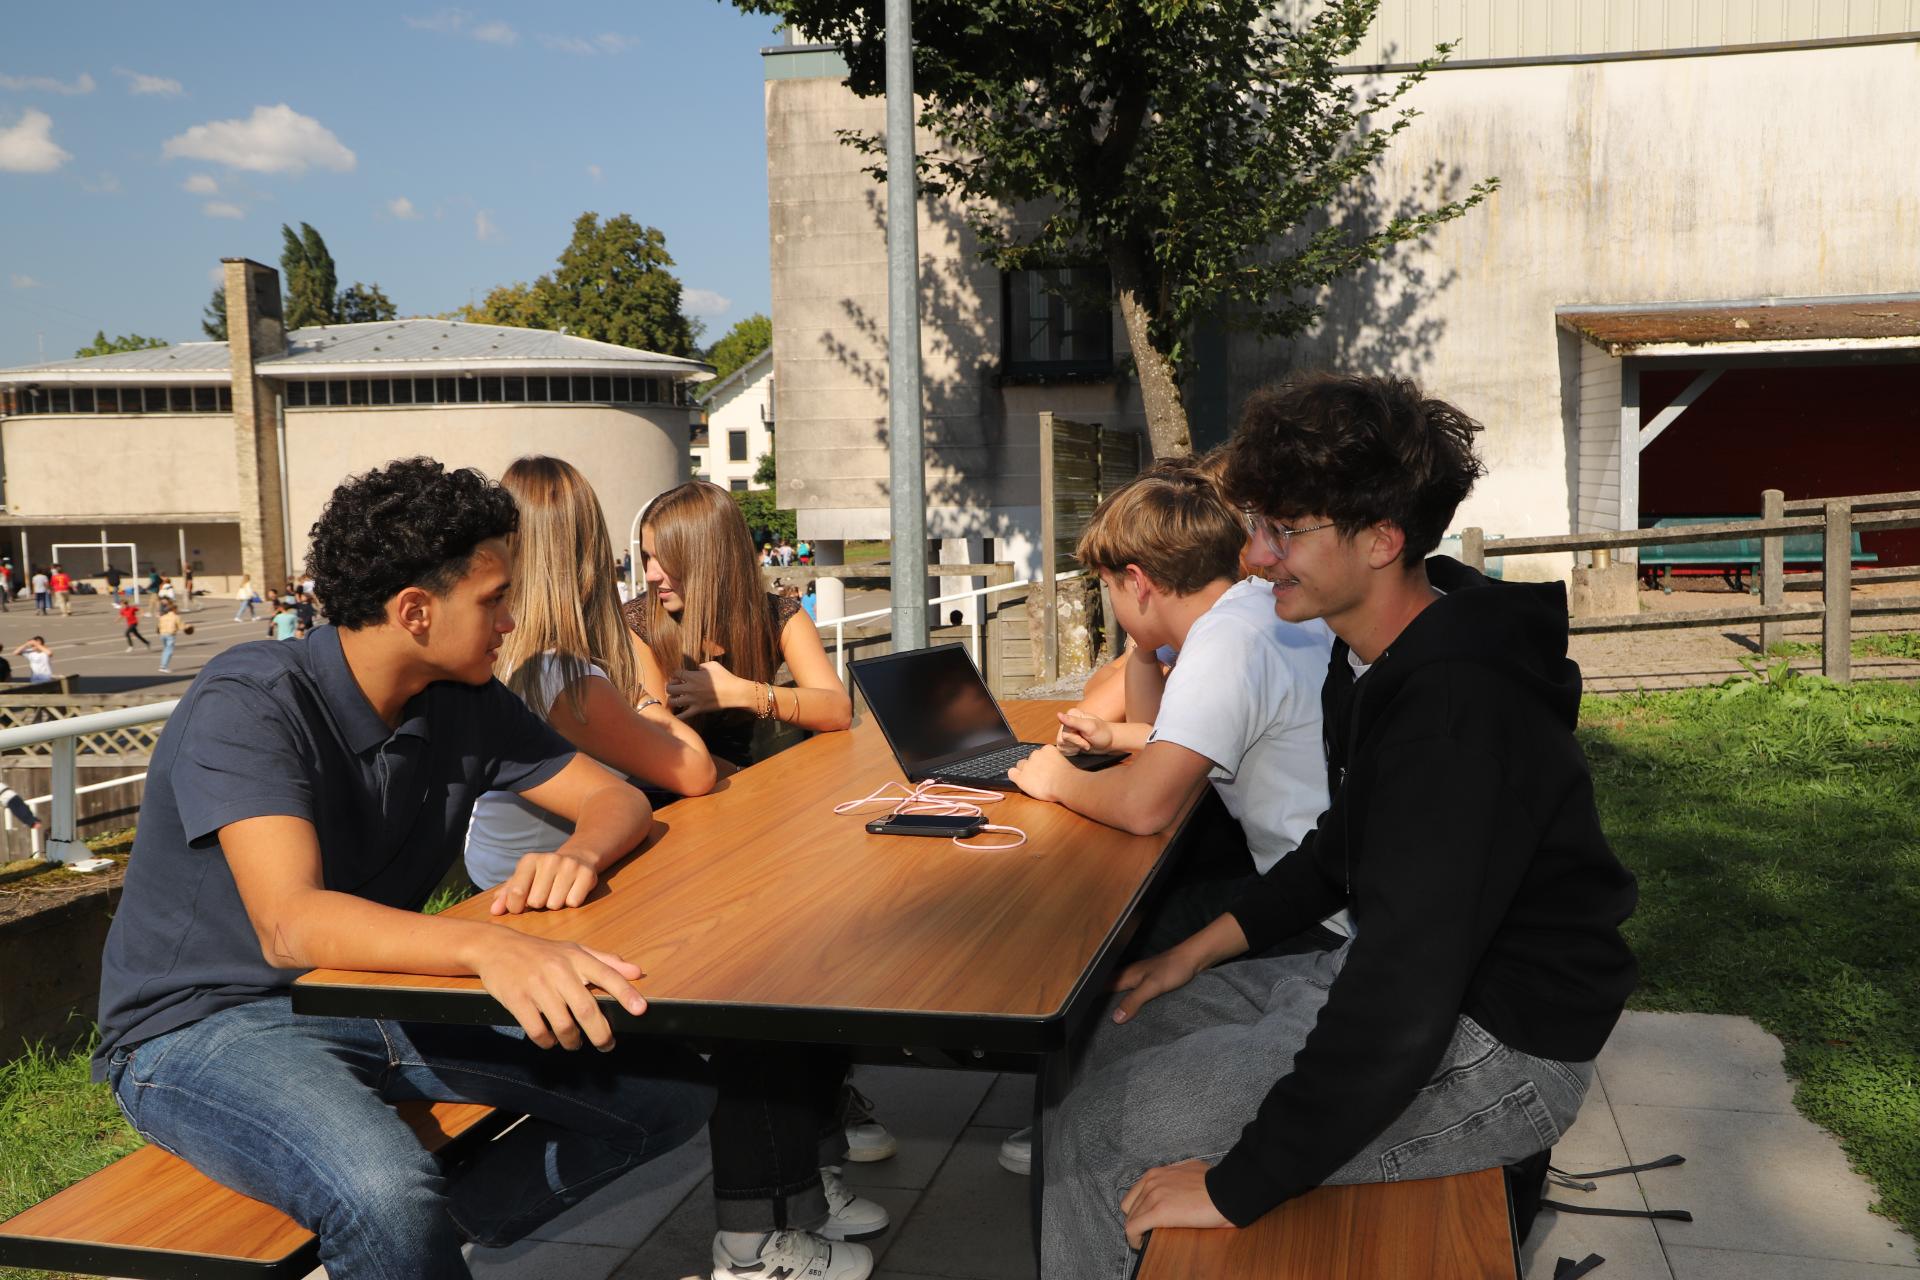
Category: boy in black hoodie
<point>1456,1030</point>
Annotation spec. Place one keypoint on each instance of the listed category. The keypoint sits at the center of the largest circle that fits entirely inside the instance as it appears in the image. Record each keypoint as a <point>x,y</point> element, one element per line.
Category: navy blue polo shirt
<point>281,728</point>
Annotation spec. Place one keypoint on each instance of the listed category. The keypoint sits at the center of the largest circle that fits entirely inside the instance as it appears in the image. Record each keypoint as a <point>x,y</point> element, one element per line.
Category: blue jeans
<point>166,651</point>
<point>1180,1080</point>
<point>293,1111</point>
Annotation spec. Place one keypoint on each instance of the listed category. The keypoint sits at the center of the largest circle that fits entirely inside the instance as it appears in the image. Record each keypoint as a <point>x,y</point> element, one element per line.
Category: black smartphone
<point>926,824</point>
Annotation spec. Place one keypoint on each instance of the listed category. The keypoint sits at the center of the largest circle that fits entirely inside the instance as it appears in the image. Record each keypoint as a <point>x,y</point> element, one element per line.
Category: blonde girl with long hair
<point>569,658</point>
<point>712,638</point>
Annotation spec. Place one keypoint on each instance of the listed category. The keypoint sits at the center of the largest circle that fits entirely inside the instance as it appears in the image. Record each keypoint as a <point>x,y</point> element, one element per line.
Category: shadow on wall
<point>1382,318</point>
<point>964,414</point>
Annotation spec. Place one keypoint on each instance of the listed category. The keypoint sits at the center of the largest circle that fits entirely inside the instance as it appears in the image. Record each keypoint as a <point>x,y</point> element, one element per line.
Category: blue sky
<point>440,151</point>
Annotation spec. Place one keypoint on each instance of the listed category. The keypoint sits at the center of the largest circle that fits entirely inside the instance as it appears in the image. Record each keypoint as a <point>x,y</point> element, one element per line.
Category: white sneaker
<point>867,1139</point>
<point>849,1216</point>
<point>1016,1152</point>
<point>794,1255</point>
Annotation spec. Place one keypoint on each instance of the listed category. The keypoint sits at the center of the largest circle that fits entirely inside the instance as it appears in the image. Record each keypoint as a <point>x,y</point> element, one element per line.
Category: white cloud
<point>587,46</point>
<point>28,147</point>
<point>402,208</point>
<point>595,172</point>
<point>447,20</point>
<point>485,228</point>
<point>25,282</point>
<point>222,209</point>
<point>216,274</point>
<point>47,84</point>
<point>200,184</point>
<point>138,83</point>
<point>705,302</point>
<point>271,140</point>
<point>496,33</point>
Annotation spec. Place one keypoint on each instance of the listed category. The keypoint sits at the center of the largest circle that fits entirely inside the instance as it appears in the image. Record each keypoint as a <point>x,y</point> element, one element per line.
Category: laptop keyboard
<point>992,765</point>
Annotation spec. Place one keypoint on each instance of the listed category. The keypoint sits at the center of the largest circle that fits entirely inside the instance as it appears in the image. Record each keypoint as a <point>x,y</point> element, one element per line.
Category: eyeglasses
<point>1279,538</point>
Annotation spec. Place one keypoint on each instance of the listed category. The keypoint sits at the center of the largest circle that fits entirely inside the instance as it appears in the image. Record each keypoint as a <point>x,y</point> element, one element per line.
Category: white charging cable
<point>939,799</point>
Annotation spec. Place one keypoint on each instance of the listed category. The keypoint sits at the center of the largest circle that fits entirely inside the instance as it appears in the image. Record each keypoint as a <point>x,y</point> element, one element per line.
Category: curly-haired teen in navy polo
<point>304,800</point>
<point>1456,1029</point>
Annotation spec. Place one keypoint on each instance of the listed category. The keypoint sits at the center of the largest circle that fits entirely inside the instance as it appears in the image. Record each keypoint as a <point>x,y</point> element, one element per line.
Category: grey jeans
<point>1180,1080</point>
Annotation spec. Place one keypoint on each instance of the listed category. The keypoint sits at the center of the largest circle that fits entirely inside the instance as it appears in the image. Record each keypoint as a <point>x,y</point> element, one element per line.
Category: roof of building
<point>746,373</point>
<point>380,346</point>
<point>1765,324</point>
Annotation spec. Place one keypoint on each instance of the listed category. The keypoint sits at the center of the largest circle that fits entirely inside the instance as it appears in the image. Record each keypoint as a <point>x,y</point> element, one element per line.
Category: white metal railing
<point>839,625</point>
<point>63,842</point>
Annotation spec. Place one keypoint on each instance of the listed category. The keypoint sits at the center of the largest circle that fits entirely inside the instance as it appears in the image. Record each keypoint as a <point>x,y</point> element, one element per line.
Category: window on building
<point>623,390</point>
<point>204,400</point>
<point>106,400</point>
<point>737,485</point>
<point>490,390</point>
<point>83,399</point>
<point>296,394</point>
<point>1059,321</point>
<point>603,388</point>
<point>226,399</point>
<point>403,390</point>
<point>154,399</point>
<point>468,389</point>
<point>180,399</point>
<point>337,392</point>
<point>516,390</point>
<point>380,391</point>
<point>736,446</point>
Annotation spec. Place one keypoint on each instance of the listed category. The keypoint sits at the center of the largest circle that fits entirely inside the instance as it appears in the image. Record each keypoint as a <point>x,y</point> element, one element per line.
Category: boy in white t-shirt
<point>1240,708</point>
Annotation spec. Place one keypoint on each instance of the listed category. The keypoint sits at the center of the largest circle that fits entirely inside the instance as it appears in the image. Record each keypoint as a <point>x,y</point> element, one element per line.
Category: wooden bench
<point>1729,558</point>
<point>152,1216</point>
<point>1458,1228</point>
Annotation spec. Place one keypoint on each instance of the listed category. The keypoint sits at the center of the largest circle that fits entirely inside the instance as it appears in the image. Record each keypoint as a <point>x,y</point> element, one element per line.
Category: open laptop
<point>942,722</point>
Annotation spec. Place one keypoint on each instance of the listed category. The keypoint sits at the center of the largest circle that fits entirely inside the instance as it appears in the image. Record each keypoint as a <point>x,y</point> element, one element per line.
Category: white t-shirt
<point>505,827</point>
<point>39,666</point>
<point>39,583</point>
<point>1246,695</point>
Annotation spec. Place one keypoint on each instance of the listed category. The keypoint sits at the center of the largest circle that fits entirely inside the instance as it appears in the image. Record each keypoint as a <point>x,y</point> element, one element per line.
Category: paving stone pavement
<point>1771,1194</point>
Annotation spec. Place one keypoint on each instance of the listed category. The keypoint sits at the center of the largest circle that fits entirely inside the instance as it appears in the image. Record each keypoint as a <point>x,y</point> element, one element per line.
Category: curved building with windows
<point>220,454</point>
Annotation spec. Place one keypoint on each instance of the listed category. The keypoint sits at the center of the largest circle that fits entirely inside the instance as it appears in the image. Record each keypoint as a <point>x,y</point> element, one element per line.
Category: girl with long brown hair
<point>712,638</point>
<point>569,658</point>
<point>710,641</point>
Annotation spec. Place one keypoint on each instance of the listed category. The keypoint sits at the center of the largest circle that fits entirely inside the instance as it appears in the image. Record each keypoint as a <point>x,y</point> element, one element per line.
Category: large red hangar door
<point>1716,402</point>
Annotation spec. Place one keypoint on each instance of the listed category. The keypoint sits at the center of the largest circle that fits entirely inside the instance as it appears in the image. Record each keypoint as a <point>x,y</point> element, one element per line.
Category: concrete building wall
<point>1743,176</point>
<point>119,463</point>
<point>829,286</point>
<point>628,455</point>
<point>746,408</point>
<point>1408,30</point>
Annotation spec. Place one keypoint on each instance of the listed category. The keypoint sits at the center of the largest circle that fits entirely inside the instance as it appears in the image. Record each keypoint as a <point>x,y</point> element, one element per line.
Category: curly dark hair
<point>1356,449</point>
<point>411,523</point>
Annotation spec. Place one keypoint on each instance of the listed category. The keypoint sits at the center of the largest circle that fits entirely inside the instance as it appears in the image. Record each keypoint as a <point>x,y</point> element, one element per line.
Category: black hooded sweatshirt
<point>1463,837</point>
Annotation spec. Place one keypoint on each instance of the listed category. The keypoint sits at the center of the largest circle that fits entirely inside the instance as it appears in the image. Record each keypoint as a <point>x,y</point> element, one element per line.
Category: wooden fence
<point>1836,519</point>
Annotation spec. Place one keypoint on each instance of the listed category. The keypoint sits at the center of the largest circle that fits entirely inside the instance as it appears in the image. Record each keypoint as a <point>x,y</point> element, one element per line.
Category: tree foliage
<point>612,283</point>
<point>763,472</point>
<point>769,523</point>
<point>308,269</point>
<point>1199,150</point>
<point>213,318</point>
<point>359,303</point>
<point>102,345</point>
<point>738,347</point>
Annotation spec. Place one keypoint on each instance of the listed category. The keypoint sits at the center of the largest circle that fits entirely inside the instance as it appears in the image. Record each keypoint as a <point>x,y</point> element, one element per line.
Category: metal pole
<point>906,469</point>
<point>63,841</point>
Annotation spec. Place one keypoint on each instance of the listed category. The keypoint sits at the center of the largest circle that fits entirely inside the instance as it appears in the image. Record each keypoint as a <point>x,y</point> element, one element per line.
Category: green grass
<point>55,1129</point>
<point>1775,828</point>
<point>1875,644</point>
<point>867,552</point>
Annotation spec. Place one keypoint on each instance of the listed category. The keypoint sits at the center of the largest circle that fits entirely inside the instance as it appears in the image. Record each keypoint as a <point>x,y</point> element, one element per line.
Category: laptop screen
<point>932,706</point>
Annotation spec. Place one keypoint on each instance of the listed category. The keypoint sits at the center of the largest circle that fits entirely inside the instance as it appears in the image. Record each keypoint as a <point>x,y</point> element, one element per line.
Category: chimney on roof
<point>257,331</point>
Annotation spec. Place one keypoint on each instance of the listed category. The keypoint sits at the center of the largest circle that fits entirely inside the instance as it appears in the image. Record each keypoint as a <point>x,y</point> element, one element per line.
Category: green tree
<point>311,280</point>
<point>611,283</point>
<point>768,522</point>
<point>362,302</point>
<point>763,472</point>
<point>738,347</point>
<point>1200,151</point>
<point>213,319</point>
<point>102,345</point>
